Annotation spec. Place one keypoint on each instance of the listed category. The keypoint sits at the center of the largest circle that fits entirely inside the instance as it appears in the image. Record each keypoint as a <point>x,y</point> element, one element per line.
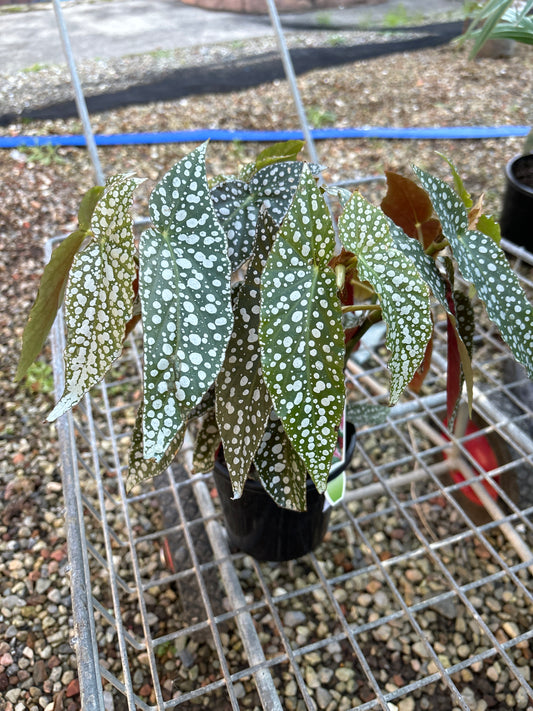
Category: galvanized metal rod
<point>291,78</point>
<point>84,641</point>
<point>78,94</point>
<point>252,644</point>
<point>113,582</point>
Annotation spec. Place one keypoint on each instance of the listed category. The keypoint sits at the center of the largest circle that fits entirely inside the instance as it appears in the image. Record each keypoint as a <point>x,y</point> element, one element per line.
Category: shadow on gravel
<point>240,74</point>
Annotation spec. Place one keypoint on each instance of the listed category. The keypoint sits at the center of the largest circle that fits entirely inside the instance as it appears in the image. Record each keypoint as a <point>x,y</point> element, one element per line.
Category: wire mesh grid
<point>419,597</point>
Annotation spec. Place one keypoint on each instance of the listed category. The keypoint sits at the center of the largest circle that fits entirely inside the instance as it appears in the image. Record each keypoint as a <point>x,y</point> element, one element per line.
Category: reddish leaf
<point>409,206</point>
<point>416,383</point>
<point>134,320</point>
<point>459,353</point>
<point>454,381</point>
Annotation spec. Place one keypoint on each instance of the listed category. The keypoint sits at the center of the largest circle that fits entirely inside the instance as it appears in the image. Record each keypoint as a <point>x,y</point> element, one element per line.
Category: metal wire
<point>118,577</point>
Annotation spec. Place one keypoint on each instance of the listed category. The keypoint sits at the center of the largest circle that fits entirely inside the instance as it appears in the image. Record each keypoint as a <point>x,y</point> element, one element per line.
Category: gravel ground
<point>40,192</point>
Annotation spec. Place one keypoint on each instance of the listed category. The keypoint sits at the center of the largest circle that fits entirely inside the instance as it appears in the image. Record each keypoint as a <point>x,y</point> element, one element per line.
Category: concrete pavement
<point>116,28</point>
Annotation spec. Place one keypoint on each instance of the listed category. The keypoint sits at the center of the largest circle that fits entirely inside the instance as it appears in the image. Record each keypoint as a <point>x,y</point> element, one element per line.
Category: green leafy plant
<point>324,19</point>
<point>33,68</point>
<point>500,19</point>
<point>399,16</point>
<point>39,378</point>
<point>318,118</point>
<point>43,155</point>
<point>252,296</point>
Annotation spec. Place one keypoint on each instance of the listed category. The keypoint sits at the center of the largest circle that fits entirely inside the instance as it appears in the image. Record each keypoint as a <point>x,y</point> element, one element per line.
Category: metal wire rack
<point>419,597</point>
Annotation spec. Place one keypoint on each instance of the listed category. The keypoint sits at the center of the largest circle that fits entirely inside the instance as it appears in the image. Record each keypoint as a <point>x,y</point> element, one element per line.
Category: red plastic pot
<point>480,449</point>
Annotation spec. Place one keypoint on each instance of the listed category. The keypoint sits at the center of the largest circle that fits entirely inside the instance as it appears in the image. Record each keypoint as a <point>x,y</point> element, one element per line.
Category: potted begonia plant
<point>251,297</point>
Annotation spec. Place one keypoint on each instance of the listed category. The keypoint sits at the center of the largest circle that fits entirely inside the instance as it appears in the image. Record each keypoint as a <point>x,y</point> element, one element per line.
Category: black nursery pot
<point>256,525</point>
<point>516,220</point>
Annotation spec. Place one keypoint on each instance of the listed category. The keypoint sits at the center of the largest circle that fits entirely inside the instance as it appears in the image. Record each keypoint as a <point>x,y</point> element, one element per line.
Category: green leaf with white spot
<point>53,283</point>
<point>237,204</point>
<point>458,182</point>
<point>484,264</point>
<point>242,399</point>
<point>403,293</point>
<point>424,264</point>
<point>301,334</point>
<point>281,471</point>
<point>206,445</point>
<point>140,468</point>
<point>366,413</point>
<point>99,297</point>
<point>184,288</point>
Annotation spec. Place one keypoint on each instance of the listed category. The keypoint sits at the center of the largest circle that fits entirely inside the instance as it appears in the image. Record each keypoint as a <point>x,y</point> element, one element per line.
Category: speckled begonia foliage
<point>99,298</point>
<point>301,333</point>
<point>242,399</point>
<point>462,321</point>
<point>403,294</point>
<point>140,468</point>
<point>478,256</point>
<point>281,471</point>
<point>184,287</point>
<point>237,204</point>
<point>206,444</point>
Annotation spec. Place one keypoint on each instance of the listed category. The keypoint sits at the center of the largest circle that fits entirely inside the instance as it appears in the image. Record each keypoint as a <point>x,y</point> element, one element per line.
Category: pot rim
<point>511,177</point>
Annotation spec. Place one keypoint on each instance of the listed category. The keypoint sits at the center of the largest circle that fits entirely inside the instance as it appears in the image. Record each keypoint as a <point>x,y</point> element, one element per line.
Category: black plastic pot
<point>256,525</point>
<point>516,220</point>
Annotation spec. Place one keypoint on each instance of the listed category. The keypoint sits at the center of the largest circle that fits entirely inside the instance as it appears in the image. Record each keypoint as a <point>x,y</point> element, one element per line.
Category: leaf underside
<point>410,208</point>
<point>52,285</point>
<point>301,327</point>
<point>206,444</point>
<point>484,264</point>
<point>403,293</point>
<point>186,301</point>
<point>99,297</point>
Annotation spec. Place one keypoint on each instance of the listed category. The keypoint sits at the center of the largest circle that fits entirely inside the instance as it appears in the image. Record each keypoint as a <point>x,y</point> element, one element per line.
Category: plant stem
<point>361,307</point>
<point>435,247</point>
<point>371,319</point>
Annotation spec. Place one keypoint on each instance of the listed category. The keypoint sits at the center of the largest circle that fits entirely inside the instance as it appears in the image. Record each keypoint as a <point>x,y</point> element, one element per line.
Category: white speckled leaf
<point>237,204</point>
<point>140,468</point>
<point>99,298</point>
<point>281,470</point>
<point>242,399</point>
<point>366,413</point>
<point>206,444</point>
<point>424,264</point>
<point>302,339</point>
<point>184,287</point>
<point>403,294</point>
<point>484,264</point>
